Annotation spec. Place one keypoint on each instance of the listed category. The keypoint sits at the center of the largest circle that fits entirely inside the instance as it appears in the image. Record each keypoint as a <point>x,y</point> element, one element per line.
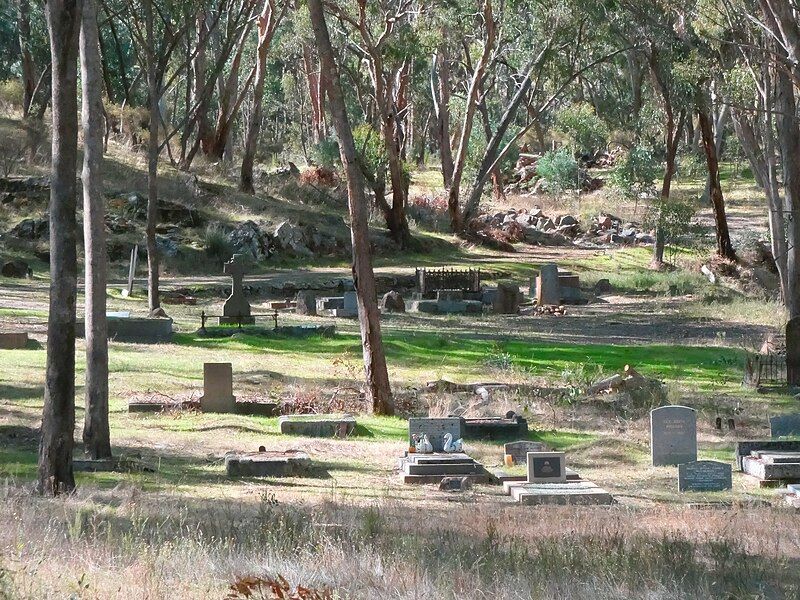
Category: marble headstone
<point>435,428</point>
<point>673,435</point>
<point>704,476</point>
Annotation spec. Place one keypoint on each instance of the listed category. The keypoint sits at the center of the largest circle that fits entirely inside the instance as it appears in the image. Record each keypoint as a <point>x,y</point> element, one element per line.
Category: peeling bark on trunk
<point>58,415</point>
<point>378,389</point>
<point>440,91</point>
<point>96,435</point>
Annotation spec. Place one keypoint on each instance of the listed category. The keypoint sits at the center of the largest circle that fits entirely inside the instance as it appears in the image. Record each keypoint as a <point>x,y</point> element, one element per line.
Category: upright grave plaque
<point>704,476</point>
<point>547,467</point>
<point>673,435</point>
<point>434,428</point>
<point>218,388</point>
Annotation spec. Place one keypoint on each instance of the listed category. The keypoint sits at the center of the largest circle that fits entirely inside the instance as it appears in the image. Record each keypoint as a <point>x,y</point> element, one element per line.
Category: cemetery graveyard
<point>343,303</point>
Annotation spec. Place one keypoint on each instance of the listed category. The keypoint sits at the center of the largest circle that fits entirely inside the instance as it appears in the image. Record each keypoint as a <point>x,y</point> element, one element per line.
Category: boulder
<point>158,313</point>
<point>306,303</point>
<point>603,286</point>
<point>17,269</point>
<point>248,238</point>
<point>30,229</point>
<point>166,246</point>
<point>566,220</point>
<point>291,237</point>
<point>392,302</point>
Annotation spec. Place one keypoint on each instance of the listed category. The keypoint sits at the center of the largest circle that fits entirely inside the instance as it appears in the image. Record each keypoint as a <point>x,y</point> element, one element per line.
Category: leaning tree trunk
<point>26,58</point>
<point>724,246</point>
<point>96,435</point>
<point>58,415</point>
<point>378,389</point>
<point>153,299</point>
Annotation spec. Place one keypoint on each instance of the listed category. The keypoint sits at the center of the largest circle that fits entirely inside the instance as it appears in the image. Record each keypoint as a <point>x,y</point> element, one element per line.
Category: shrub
<point>559,169</point>
<point>11,93</point>
<point>673,218</point>
<point>216,244</point>
<point>326,153</point>
<point>636,172</point>
<point>585,130</point>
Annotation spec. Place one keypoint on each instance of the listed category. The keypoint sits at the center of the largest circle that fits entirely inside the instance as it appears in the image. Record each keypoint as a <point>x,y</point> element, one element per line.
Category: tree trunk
<point>316,95</point>
<point>96,435</point>
<point>724,246</point>
<point>497,175</point>
<point>466,128</point>
<point>58,415</point>
<point>377,376</point>
<point>153,299</point>
<point>26,58</point>
<point>441,97</point>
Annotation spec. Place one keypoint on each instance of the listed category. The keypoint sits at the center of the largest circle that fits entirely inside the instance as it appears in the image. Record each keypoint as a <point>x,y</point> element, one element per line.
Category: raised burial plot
<point>432,468</point>
<point>772,467</point>
<point>266,464</point>
<point>15,340</point>
<point>577,492</point>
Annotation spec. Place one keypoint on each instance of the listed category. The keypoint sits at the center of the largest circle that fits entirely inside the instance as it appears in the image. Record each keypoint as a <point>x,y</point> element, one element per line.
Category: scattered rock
<point>158,313</point>
<point>603,286</point>
<point>306,303</point>
<point>292,238</point>
<point>248,238</point>
<point>166,246</point>
<point>31,229</point>
<point>455,484</point>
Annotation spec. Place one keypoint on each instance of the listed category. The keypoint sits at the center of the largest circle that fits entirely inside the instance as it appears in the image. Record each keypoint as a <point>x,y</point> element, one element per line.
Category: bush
<point>559,169</point>
<point>673,218</point>
<point>216,244</point>
<point>11,93</point>
<point>636,172</point>
<point>326,153</point>
<point>586,131</point>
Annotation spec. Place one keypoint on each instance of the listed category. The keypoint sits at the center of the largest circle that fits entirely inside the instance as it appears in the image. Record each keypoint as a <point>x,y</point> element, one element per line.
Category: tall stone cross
<point>236,305</point>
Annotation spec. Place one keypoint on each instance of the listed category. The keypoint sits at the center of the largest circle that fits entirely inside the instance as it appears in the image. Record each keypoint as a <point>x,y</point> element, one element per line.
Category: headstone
<point>351,302</point>
<point>13,340</point>
<point>435,428</point>
<point>128,291</point>
<point>306,303</point>
<point>218,388</point>
<point>673,435</point>
<point>548,291</point>
<point>506,301</point>
<point>547,467</point>
<point>518,451</point>
<point>792,355</point>
<point>236,308</point>
<point>704,476</point>
<point>784,425</point>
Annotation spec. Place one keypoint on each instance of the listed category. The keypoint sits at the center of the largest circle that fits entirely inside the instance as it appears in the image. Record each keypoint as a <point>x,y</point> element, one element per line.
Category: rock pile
<point>608,229</point>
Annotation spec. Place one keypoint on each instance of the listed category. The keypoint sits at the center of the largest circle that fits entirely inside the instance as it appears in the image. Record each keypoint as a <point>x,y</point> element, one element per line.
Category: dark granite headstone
<point>784,425</point>
<point>236,308</point>
<point>704,476</point>
<point>673,435</point>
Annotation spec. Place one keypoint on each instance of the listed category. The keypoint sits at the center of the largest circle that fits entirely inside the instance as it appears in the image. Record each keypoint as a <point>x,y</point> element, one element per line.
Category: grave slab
<point>766,471</point>
<point>266,464</point>
<point>329,426</point>
<point>577,493</point>
<point>142,330</point>
<point>490,428</point>
<point>673,435</point>
<point>746,448</point>
<point>704,476</point>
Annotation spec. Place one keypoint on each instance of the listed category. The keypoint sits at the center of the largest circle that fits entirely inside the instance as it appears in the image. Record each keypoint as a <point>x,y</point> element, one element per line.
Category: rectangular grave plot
<point>435,429</point>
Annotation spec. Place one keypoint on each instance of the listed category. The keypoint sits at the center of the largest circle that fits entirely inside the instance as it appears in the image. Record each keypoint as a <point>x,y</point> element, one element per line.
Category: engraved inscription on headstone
<point>435,428</point>
<point>704,476</point>
<point>547,467</point>
<point>784,425</point>
<point>673,435</point>
<point>519,450</point>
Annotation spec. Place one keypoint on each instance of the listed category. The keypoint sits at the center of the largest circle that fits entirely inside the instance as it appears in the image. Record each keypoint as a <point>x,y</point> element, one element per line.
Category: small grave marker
<point>673,435</point>
<point>548,290</point>
<point>518,451</point>
<point>704,476</point>
<point>218,388</point>
<point>547,467</point>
